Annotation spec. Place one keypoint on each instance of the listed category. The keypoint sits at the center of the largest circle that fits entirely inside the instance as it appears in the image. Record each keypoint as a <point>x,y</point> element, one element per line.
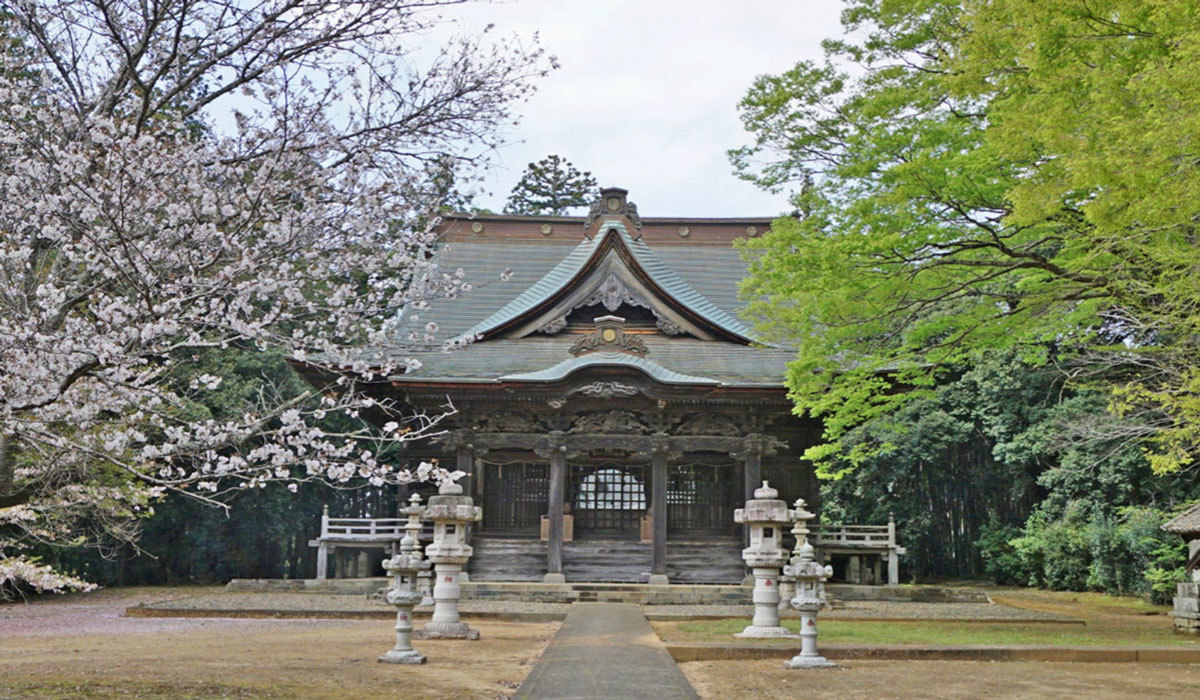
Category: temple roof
<point>1186,523</point>
<point>685,272</point>
<point>536,359</point>
<point>570,269</point>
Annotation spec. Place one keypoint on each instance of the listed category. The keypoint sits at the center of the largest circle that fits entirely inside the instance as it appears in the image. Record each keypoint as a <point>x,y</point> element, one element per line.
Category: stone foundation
<point>1187,608</point>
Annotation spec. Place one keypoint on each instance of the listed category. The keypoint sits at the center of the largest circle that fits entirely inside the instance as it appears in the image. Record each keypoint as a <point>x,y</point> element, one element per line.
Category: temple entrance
<point>608,501</point>
<point>515,498</point>
<point>700,499</point>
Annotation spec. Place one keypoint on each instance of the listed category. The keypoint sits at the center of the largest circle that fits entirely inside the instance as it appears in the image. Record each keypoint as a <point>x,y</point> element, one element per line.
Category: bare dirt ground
<point>943,680</point>
<point>81,647</point>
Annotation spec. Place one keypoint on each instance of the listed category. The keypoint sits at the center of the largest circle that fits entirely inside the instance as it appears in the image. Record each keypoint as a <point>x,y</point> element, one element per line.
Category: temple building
<point>612,408</point>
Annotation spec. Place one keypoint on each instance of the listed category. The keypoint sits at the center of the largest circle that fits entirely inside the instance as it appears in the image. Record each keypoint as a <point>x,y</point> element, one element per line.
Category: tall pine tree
<point>551,186</point>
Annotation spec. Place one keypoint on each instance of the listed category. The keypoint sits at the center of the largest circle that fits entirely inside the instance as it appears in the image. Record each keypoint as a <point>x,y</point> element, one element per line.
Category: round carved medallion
<point>477,227</point>
<point>613,203</point>
<point>751,231</point>
<point>684,231</point>
<point>547,229</point>
<point>609,335</point>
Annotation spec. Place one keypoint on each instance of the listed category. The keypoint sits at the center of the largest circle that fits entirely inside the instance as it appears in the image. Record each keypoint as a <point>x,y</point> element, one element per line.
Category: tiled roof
<point>702,276</point>
<point>561,275</point>
<point>491,361</point>
<point>1186,523</point>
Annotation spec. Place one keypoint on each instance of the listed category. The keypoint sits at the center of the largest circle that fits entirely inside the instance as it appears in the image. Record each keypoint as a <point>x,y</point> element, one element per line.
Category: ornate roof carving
<point>511,422</point>
<point>610,336</point>
<point>613,202</point>
<point>708,424</point>
<point>555,325</point>
<point>607,390</point>
<point>611,294</point>
<point>609,422</point>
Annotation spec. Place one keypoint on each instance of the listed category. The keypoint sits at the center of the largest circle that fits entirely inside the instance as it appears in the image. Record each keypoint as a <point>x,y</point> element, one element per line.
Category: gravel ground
<point>350,603</point>
<point>342,603</point>
<point>79,646</point>
<point>104,613</point>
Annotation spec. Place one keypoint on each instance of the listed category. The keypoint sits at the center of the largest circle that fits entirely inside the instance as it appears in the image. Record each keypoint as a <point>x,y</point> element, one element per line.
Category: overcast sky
<point>647,94</point>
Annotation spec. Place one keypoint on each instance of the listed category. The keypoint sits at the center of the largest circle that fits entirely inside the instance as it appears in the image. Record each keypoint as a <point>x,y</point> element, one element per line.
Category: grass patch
<point>939,633</point>
<point>1095,603</point>
<point>145,690</point>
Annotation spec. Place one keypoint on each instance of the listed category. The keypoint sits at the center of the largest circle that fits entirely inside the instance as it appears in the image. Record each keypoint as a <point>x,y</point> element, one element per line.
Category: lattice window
<point>515,496</point>
<point>699,498</point>
<point>608,500</point>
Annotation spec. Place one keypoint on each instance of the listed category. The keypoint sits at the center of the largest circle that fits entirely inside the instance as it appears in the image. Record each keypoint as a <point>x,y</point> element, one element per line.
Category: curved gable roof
<point>637,256</point>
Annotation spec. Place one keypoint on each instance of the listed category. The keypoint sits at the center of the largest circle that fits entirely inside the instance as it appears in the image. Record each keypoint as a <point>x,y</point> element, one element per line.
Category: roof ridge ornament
<point>613,201</point>
<point>609,336</point>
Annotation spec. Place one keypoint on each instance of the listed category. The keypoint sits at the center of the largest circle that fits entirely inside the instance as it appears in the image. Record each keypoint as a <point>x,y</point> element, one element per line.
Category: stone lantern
<point>787,584</point>
<point>766,515</point>
<point>809,577</point>
<point>403,568</point>
<point>450,512</point>
<point>413,528</point>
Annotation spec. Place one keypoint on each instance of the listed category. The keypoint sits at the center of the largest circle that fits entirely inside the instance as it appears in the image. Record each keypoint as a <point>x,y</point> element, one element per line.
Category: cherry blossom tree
<point>182,176</point>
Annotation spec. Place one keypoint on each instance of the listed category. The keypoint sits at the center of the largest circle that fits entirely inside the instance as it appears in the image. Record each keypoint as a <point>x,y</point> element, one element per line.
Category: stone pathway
<point>605,651</point>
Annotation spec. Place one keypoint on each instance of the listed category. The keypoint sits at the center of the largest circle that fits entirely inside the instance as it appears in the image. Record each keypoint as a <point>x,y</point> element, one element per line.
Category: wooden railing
<point>362,529</point>
<point>877,536</point>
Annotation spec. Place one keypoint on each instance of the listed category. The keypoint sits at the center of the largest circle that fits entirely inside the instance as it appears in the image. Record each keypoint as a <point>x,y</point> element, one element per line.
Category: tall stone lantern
<point>413,528</point>
<point>403,568</point>
<point>787,584</point>
<point>450,512</point>
<point>766,515</point>
<point>809,577</point>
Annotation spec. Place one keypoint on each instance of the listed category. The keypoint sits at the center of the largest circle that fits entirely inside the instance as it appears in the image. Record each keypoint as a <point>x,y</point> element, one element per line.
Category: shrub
<point>1125,553</point>
<point>1000,558</point>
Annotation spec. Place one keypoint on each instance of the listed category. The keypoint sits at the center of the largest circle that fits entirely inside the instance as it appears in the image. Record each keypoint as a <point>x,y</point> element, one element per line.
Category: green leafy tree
<point>986,176</point>
<point>552,186</point>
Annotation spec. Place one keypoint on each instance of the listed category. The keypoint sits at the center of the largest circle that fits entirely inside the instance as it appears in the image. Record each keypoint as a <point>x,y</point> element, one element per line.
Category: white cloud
<point>646,98</point>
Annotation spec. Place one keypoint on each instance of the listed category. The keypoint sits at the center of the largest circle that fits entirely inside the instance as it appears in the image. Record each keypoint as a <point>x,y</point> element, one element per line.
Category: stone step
<point>505,559</point>
<point>614,561</point>
<point>608,593</point>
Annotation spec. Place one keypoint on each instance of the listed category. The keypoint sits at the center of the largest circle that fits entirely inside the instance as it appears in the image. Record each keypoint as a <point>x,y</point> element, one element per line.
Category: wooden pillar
<point>465,462</point>
<point>753,474</point>
<point>555,449</point>
<point>751,454</point>
<point>658,494</point>
<point>464,457</point>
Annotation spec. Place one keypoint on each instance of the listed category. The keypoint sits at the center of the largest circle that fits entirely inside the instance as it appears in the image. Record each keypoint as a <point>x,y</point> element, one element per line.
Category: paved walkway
<point>605,651</point>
